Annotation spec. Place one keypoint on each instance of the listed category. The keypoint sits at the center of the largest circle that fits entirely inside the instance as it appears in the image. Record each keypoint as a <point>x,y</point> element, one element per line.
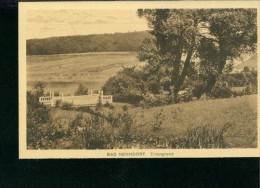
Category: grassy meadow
<point>240,113</point>
<point>65,72</point>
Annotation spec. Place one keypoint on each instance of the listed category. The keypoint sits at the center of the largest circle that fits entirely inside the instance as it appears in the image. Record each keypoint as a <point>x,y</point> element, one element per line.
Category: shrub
<point>98,107</point>
<point>58,103</point>
<point>199,89</point>
<point>37,116</point>
<point>205,136</point>
<point>87,109</point>
<point>154,100</point>
<point>249,90</point>
<point>82,90</point>
<point>158,120</point>
<point>106,105</point>
<point>238,93</point>
<point>89,132</point>
<point>66,106</point>
<point>125,108</point>
<point>111,107</point>
<point>221,92</point>
<point>126,86</point>
<point>127,123</point>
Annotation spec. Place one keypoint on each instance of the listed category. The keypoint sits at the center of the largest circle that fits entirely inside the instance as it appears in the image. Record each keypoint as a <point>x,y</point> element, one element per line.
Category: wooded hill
<point>117,42</point>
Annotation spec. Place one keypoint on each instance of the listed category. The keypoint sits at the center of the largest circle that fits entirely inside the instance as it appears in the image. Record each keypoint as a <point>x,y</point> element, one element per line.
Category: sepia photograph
<point>147,79</point>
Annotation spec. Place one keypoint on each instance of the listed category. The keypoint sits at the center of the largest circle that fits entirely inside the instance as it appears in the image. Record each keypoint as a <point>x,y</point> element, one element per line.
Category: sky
<point>50,23</point>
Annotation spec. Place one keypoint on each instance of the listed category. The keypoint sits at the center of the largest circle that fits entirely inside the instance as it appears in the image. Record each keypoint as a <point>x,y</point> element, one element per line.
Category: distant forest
<point>117,42</point>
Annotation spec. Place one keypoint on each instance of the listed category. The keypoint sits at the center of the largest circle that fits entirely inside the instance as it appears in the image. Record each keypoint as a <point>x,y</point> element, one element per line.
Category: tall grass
<point>206,136</point>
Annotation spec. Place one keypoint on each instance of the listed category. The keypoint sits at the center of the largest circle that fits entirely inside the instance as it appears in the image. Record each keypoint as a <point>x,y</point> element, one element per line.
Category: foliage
<point>214,36</point>
<point>99,131</point>
<point>108,105</point>
<point>66,106</point>
<point>82,90</point>
<point>158,120</point>
<point>249,90</point>
<point>126,86</point>
<point>219,91</point>
<point>91,43</point>
<point>198,89</point>
<point>125,108</point>
<point>154,100</point>
<point>87,132</point>
<point>37,116</point>
<point>245,77</point>
<point>87,109</point>
<point>205,136</point>
<point>58,103</point>
<point>39,89</point>
<point>112,129</point>
<point>98,107</point>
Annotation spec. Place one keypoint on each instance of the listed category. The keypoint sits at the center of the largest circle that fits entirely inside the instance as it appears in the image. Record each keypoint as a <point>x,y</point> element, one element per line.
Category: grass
<point>194,118</point>
<point>65,72</point>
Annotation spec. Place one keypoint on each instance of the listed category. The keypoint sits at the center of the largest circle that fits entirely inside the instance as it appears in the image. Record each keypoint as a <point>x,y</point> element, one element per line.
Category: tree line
<point>117,42</point>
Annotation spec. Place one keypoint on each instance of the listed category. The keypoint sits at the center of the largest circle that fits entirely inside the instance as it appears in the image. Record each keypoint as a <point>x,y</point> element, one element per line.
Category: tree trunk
<point>184,70</point>
<point>181,77</point>
<point>213,79</point>
<point>175,96</point>
<point>176,64</point>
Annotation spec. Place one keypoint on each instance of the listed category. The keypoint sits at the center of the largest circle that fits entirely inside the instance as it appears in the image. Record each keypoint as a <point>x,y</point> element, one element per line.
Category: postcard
<point>138,79</point>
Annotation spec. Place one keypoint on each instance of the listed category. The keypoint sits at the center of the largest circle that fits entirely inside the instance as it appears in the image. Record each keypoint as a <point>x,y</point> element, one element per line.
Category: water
<point>68,88</point>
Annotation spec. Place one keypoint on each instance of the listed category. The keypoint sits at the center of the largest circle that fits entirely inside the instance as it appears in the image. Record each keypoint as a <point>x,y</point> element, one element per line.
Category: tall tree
<point>233,34</point>
<point>212,37</point>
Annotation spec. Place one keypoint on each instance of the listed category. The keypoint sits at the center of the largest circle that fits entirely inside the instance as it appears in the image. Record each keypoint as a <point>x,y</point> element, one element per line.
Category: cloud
<point>102,21</point>
<point>38,18</point>
<point>74,22</point>
<point>47,28</point>
<point>47,23</point>
<point>111,17</point>
<point>87,22</point>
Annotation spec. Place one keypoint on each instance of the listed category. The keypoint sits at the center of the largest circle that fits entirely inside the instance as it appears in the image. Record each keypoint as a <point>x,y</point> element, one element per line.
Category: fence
<point>82,100</point>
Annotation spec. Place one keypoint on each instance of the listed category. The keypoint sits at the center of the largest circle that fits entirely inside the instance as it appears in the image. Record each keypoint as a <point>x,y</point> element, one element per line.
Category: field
<point>240,113</point>
<point>65,72</point>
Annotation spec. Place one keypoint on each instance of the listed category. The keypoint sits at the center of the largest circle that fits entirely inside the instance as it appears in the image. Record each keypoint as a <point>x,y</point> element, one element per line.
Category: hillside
<point>178,118</point>
<point>65,72</point>
<point>117,42</point>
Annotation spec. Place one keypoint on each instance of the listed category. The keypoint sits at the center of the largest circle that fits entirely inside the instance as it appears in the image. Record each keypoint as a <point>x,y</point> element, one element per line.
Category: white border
<point>143,153</point>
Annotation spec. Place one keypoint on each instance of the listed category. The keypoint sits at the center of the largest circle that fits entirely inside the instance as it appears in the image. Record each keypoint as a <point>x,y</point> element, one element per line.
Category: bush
<point>88,132</point>
<point>111,107</point>
<point>249,90</point>
<point>158,120</point>
<point>82,90</point>
<point>126,86</point>
<point>154,100</point>
<point>38,117</point>
<point>87,109</point>
<point>125,108</point>
<point>205,136</point>
<point>66,106</point>
<point>98,107</point>
<point>221,92</point>
<point>58,103</point>
<point>108,105</point>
